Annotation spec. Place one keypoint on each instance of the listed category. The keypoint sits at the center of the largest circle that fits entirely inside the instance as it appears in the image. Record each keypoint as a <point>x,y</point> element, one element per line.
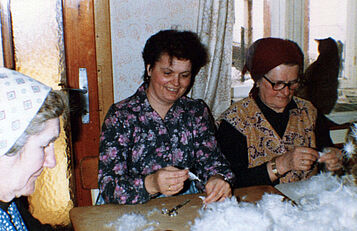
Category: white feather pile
<point>132,222</point>
<point>324,204</point>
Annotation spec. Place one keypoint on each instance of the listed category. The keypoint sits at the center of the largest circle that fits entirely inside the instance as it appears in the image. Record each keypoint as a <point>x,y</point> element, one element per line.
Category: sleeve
<point>322,132</point>
<point>234,147</point>
<point>209,159</point>
<point>116,180</point>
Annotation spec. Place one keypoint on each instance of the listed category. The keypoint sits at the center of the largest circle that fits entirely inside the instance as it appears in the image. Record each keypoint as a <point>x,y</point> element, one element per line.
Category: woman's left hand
<point>332,159</point>
<point>217,189</point>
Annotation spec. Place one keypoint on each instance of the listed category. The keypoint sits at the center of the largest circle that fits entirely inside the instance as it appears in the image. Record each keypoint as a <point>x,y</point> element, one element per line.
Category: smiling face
<point>19,172</point>
<point>278,100</point>
<point>169,80</point>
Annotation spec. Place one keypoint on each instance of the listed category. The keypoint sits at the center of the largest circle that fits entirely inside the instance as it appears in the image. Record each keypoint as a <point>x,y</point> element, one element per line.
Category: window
<point>301,21</point>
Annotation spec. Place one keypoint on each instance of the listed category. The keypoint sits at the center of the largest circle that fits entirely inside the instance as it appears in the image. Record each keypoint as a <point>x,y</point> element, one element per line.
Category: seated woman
<point>271,136</point>
<point>151,140</point>
<point>29,125</point>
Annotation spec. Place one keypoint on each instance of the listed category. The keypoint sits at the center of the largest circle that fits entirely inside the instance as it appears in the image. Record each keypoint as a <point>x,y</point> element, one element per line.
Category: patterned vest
<point>11,220</point>
<point>262,140</point>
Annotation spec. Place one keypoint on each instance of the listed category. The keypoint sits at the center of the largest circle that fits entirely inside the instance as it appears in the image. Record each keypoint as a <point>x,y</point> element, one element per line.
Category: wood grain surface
<point>99,217</point>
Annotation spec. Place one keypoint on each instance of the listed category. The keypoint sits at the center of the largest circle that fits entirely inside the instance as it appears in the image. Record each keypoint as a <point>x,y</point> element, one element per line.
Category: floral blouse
<point>135,142</point>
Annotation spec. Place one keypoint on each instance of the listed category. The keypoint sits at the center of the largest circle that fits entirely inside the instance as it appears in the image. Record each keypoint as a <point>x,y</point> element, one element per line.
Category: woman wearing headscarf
<point>152,140</point>
<point>272,136</point>
<point>29,125</point>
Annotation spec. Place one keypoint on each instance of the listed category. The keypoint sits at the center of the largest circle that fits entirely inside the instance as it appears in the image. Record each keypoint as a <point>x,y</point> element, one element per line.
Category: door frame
<point>86,47</point>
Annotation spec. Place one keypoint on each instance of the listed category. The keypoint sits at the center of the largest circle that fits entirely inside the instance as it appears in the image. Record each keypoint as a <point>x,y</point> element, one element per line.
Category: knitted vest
<point>262,140</point>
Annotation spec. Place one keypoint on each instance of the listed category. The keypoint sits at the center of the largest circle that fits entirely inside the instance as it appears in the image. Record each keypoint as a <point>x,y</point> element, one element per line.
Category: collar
<point>291,105</point>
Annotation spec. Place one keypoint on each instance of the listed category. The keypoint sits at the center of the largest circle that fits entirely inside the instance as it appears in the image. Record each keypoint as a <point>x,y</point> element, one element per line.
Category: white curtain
<point>215,28</point>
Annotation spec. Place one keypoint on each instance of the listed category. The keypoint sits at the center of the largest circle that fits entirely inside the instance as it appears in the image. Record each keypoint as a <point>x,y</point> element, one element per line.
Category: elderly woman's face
<point>168,80</point>
<point>277,100</point>
<point>19,172</point>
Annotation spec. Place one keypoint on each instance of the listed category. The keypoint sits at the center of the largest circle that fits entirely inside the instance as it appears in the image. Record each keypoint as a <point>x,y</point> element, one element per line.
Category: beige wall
<point>132,23</point>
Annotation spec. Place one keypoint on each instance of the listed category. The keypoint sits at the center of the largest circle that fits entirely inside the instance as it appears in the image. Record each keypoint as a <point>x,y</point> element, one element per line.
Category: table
<point>97,217</point>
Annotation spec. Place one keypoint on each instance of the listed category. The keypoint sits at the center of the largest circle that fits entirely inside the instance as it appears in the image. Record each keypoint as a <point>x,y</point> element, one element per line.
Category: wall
<point>132,23</point>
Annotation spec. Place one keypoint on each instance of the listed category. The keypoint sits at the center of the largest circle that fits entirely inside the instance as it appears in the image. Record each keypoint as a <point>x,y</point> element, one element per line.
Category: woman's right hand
<point>169,181</point>
<point>298,158</point>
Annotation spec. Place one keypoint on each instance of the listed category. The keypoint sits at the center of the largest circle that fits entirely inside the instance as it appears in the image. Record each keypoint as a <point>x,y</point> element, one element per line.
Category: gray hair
<point>52,107</point>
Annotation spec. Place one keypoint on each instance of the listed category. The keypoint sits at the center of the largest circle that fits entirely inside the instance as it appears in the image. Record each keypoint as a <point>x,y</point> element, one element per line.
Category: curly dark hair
<point>183,45</point>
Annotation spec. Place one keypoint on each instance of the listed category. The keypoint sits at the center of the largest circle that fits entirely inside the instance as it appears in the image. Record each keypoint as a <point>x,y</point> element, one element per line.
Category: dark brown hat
<point>267,53</point>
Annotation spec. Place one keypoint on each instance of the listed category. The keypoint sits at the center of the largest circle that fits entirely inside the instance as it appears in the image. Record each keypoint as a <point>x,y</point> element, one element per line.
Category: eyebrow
<point>53,139</point>
<point>281,81</point>
<point>168,68</point>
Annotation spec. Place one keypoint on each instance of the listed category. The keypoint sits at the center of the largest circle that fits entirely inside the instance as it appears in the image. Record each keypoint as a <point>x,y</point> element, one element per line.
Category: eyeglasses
<point>280,85</point>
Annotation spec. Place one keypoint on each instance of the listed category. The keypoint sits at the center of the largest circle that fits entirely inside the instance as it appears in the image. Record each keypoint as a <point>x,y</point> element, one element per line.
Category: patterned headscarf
<point>267,53</point>
<point>20,99</point>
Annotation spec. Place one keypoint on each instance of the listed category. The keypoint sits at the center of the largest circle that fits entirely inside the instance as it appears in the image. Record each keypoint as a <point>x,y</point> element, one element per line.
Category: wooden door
<point>80,48</point>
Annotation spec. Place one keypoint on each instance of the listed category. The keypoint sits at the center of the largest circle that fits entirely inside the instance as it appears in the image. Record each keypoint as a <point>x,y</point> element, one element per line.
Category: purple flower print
<point>136,142</point>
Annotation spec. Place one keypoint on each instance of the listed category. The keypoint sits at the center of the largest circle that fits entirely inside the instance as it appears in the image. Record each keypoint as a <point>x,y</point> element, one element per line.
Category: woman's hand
<point>217,189</point>
<point>332,159</point>
<point>168,181</point>
<point>299,158</point>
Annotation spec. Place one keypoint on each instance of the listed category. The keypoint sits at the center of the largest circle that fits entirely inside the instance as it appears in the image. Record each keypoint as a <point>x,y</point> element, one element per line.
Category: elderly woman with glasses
<point>272,136</point>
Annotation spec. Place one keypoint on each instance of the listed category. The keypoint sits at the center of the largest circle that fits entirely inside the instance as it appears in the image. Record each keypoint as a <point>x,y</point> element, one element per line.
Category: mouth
<point>172,89</point>
<point>37,173</point>
<point>283,97</point>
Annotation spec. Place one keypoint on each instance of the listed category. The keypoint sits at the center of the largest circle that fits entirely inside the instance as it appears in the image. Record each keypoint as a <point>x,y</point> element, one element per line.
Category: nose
<point>50,157</point>
<point>176,80</point>
<point>285,91</point>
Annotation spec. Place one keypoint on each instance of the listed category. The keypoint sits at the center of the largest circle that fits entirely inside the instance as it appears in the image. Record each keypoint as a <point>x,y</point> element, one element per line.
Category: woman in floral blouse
<point>151,140</point>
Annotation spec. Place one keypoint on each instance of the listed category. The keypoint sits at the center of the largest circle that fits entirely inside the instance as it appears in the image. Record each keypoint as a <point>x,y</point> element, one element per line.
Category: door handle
<point>82,91</point>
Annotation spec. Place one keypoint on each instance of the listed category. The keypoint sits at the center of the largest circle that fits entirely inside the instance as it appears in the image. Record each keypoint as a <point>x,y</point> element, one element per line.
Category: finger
<point>306,162</point>
<point>211,192</point>
<point>177,187</point>
<point>333,164</point>
<point>212,197</point>
<point>175,172</point>
<point>309,157</point>
<point>170,190</point>
<point>167,190</point>
<point>178,175</point>
<point>329,156</point>
<point>227,193</point>
<point>332,152</point>
<point>179,181</point>
<point>334,167</point>
<point>305,165</point>
<point>173,177</point>
<point>308,153</point>
<point>217,193</point>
